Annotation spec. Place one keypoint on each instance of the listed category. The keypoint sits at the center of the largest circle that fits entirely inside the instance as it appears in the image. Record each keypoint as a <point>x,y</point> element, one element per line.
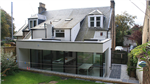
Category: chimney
<point>49,30</point>
<point>112,4</point>
<point>41,8</point>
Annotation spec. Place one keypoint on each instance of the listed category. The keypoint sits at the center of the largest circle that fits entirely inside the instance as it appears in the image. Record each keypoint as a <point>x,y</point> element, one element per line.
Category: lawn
<point>25,77</point>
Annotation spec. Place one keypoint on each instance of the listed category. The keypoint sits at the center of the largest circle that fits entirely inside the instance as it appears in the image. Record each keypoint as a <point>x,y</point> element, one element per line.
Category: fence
<point>119,57</point>
<point>10,49</point>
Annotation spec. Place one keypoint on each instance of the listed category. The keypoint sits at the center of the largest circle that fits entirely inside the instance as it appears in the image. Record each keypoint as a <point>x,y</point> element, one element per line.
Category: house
<point>76,41</point>
<point>128,41</point>
<point>146,25</point>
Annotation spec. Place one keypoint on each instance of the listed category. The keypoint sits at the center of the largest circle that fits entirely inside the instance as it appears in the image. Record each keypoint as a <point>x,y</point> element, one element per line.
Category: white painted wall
<point>49,31</point>
<point>139,73</point>
<point>74,32</point>
<point>38,34</point>
<point>66,37</point>
<point>23,58</point>
<point>98,34</point>
<point>107,50</point>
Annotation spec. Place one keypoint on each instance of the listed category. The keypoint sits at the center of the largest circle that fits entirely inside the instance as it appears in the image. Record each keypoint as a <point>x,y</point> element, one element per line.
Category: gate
<point>119,57</point>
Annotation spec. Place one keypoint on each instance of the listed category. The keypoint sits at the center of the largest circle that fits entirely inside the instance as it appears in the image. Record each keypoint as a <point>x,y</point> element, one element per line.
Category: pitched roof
<point>20,33</point>
<point>58,17</point>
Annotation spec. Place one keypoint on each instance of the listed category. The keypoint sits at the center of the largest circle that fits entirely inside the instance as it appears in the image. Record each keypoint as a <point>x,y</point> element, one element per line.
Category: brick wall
<point>146,74</point>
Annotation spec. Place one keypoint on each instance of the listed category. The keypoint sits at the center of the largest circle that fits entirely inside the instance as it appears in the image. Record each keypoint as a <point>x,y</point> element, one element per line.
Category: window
<point>92,21</point>
<point>98,21</point>
<point>32,23</point>
<point>95,21</point>
<point>60,33</point>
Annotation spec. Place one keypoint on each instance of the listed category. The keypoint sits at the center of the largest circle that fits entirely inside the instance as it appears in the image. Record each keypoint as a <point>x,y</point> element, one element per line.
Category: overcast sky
<point>23,9</point>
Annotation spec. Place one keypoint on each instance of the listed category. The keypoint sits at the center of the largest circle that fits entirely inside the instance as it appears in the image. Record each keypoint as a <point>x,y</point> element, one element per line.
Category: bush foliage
<point>8,61</point>
<point>132,61</point>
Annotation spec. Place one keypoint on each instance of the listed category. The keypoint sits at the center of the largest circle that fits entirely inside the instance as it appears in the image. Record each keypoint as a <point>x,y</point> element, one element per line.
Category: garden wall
<point>146,74</point>
<point>10,49</point>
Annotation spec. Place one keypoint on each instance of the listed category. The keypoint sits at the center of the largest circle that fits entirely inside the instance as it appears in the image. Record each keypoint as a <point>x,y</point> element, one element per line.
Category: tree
<point>123,22</point>
<point>137,34</point>
<point>6,24</point>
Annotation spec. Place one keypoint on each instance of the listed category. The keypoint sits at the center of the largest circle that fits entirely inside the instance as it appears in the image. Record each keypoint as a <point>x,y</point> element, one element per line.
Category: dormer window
<point>95,21</point>
<point>32,23</point>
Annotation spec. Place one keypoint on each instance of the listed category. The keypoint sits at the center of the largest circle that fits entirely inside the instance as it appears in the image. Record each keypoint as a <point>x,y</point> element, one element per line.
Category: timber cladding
<point>146,74</point>
<point>10,49</point>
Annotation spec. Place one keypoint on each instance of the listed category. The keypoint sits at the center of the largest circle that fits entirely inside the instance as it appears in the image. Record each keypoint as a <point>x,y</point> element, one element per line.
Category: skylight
<point>68,19</point>
<point>56,20</point>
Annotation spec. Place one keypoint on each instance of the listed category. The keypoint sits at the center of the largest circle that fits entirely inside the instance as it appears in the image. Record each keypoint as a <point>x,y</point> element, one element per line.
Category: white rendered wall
<point>74,32</point>
<point>38,34</point>
<point>139,73</point>
<point>49,31</point>
<point>66,36</point>
<point>98,34</point>
<point>23,57</point>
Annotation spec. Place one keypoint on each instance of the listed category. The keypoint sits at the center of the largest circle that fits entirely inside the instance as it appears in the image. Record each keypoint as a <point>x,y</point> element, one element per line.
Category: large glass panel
<point>85,63</point>
<point>47,59</point>
<point>36,59</point>
<point>70,62</point>
<point>58,61</point>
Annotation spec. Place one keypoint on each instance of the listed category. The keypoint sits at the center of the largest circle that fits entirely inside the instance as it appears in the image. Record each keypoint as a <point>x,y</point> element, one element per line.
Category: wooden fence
<point>10,49</point>
<point>119,57</point>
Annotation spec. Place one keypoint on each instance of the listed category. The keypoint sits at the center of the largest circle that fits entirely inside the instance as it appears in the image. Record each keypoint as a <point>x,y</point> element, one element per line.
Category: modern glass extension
<point>83,63</point>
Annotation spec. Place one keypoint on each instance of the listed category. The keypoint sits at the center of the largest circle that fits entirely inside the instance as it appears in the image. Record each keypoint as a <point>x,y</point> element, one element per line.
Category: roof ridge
<point>79,8</point>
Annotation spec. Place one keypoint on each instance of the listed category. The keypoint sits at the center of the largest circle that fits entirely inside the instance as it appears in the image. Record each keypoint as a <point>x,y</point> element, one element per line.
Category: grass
<point>25,77</point>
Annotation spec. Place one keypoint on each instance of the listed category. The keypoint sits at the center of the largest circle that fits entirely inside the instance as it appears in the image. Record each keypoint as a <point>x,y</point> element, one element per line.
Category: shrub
<point>8,61</point>
<point>132,61</point>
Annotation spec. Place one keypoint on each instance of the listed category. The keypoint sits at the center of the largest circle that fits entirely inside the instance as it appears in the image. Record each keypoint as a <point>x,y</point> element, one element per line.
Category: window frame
<point>95,20</point>
<point>59,31</point>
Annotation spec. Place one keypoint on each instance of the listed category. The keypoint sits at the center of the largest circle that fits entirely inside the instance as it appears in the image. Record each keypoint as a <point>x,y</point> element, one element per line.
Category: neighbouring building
<point>76,41</point>
<point>146,25</point>
<point>128,41</point>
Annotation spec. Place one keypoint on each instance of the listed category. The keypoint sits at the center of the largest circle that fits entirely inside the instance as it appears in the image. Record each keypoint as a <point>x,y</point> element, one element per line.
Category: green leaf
<point>144,50</point>
<point>143,59</point>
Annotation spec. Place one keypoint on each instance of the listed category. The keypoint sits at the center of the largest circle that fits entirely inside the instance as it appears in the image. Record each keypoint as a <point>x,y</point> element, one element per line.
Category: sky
<point>23,9</point>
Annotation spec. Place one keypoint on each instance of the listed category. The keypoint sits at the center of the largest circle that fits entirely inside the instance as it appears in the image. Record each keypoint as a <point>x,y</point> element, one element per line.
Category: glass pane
<point>98,24</point>
<point>97,18</point>
<point>47,59</point>
<point>31,24</point>
<point>70,62</point>
<point>59,34</point>
<point>34,23</point>
<point>62,30</point>
<point>91,18</point>
<point>36,59</point>
<point>57,30</point>
<point>85,63</point>
<point>58,61</point>
<point>92,24</point>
